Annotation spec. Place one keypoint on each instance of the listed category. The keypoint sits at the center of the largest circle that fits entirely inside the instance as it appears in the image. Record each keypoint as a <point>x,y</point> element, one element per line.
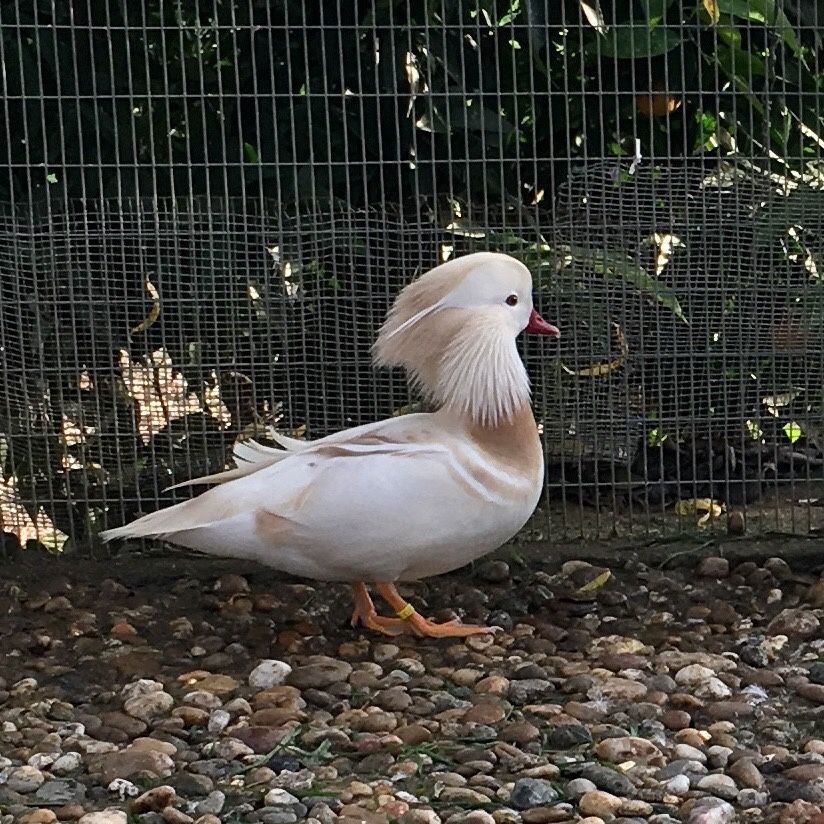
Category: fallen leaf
<point>601,369</point>
<point>692,506</point>
<point>154,312</point>
<point>596,583</point>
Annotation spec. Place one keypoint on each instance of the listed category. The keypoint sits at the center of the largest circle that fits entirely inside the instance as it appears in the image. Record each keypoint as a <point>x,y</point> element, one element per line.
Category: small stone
<point>189,784</point>
<point>712,688</point>
<point>485,713</point>
<point>635,808</point>
<point>493,684</point>
<point>719,785</point>
<point>806,772</point>
<point>528,691</point>
<point>156,745</point>
<point>420,817</point>
<point>708,811</point>
<point>320,672</point>
<point>749,799</point>
<point>211,805</point>
<point>25,779</point>
<point>801,812</point>
<point>736,522</point>
<point>795,623</point>
<point>261,739</point>
<point>217,683</point>
<point>812,692</point>
<point>493,572</point>
<point>618,689</point>
<point>218,721</point>
<point>567,736</point>
<point>414,734</point>
<point>132,760</point>
<point>675,719</point>
<point>231,749</point>
<point>714,568</point>
<point>280,798</point>
<point>40,816</point>
<point>629,748</point>
<point>300,780</point>
<point>109,816</point>
<point>688,752</point>
<point>693,675</point>
<point>202,700</point>
<point>67,763</point>
<point>155,799</point>
<point>578,786</point>
<point>609,780</point>
<point>277,815</point>
<point>678,785</point>
<point>600,803</point>
<point>522,733</point>
<point>149,706</point>
<point>70,812</point>
<point>269,673</point>
<point>58,792</point>
<point>175,816</point>
<point>532,792</point>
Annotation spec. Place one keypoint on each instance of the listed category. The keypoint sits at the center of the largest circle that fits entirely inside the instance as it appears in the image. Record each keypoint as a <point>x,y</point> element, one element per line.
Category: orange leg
<point>365,613</point>
<point>420,625</point>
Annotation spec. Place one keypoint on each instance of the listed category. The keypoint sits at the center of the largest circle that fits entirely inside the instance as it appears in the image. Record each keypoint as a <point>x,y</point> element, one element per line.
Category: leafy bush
<point>391,100</point>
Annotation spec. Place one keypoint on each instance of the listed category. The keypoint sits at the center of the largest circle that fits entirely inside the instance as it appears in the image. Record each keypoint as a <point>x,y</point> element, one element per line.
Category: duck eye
<point>512,300</point>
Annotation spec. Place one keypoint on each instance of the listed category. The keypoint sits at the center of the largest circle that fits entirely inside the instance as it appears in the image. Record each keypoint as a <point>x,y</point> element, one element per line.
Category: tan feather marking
<point>272,528</point>
<point>513,444</point>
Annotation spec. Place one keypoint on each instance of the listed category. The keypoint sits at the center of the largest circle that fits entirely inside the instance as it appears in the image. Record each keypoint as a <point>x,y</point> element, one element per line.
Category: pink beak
<point>538,326</point>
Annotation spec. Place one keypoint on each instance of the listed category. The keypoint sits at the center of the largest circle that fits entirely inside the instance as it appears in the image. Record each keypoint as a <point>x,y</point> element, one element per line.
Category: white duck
<point>407,497</point>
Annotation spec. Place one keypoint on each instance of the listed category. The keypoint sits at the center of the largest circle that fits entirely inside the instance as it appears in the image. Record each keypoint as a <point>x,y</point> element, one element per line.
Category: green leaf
<point>655,10</point>
<point>51,177</point>
<point>617,266</point>
<point>793,431</point>
<point>538,256</point>
<point>763,11</point>
<point>512,12</point>
<point>250,153</point>
<point>638,40</point>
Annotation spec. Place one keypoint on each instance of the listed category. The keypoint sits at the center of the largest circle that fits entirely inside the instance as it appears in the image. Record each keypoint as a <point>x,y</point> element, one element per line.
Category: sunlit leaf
<point>692,506</point>
<point>591,9</point>
<point>793,431</point>
<point>510,14</point>
<point>711,7</point>
<point>596,583</point>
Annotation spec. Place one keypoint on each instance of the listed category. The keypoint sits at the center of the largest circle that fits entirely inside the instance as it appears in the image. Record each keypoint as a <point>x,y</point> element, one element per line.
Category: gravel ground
<point>167,688</point>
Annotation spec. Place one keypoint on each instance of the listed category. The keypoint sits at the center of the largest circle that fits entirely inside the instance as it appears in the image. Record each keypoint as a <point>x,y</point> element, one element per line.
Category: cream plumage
<point>403,498</point>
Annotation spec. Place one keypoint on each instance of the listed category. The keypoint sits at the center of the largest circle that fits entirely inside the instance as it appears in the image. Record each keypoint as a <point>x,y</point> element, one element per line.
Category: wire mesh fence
<point>208,208</point>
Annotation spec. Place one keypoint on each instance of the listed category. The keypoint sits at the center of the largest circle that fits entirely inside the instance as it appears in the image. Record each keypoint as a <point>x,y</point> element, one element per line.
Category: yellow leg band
<point>407,612</point>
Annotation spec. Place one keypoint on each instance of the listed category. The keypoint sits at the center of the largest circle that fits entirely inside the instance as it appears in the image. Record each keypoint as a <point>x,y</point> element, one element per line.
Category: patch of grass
<point>429,749</point>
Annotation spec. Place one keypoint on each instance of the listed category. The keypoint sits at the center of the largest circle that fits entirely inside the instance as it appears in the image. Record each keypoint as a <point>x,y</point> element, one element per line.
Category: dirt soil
<point>661,683</point>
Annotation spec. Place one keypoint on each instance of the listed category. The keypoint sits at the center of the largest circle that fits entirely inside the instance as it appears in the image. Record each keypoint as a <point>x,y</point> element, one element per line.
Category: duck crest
<point>465,362</point>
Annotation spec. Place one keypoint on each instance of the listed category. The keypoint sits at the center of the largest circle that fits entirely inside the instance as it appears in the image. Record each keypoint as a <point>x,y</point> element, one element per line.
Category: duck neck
<point>482,378</point>
<point>514,442</point>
